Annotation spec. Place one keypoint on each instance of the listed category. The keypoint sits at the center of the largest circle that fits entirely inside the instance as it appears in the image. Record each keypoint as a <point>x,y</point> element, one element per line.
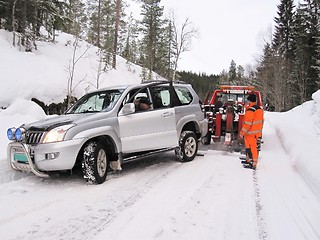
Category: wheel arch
<point>192,126</point>
<point>107,141</point>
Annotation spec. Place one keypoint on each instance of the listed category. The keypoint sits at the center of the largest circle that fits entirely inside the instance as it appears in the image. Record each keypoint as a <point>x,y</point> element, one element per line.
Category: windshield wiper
<point>90,111</point>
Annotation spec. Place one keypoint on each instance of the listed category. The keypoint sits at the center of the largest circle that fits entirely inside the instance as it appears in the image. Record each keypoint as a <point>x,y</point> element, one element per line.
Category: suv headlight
<point>20,134</point>
<point>16,134</point>
<point>11,134</point>
<point>57,134</point>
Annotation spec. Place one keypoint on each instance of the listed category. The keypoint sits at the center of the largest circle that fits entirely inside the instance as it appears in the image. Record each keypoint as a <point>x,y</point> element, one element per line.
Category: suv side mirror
<point>128,108</point>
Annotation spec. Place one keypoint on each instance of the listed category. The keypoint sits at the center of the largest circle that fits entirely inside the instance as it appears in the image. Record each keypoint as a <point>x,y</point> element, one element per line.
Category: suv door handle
<point>166,114</point>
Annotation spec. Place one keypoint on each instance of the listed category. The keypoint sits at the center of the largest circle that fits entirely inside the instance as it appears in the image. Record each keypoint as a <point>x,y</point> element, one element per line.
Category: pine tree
<point>152,29</point>
<point>283,48</point>
<point>101,25</point>
<point>266,72</point>
<point>108,14</point>
<point>116,34</point>
<point>314,50</point>
<point>130,41</point>
<point>95,22</point>
<point>163,51</point>
<point>122,29</point>
<point>232,73</point>
<point>3,7</point>
<point>54,17</point>
<point>302,56</point>
<point>306,50</point>
<point>240,79</point>
<point>78,19</point>
<point>25,18</point>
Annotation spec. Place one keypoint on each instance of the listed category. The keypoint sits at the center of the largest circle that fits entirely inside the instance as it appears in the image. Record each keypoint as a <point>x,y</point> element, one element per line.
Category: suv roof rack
<point>164,81</point>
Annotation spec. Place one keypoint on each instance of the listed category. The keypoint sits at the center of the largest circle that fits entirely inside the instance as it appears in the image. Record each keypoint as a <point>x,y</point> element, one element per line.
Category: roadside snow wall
<point>299,130</point>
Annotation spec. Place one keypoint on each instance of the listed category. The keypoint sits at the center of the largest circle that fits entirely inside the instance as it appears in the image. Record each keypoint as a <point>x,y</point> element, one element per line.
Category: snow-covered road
<point>212,197</point>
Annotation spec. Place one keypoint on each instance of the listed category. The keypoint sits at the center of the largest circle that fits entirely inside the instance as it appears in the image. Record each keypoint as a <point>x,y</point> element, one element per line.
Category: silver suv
<point>106,128</point>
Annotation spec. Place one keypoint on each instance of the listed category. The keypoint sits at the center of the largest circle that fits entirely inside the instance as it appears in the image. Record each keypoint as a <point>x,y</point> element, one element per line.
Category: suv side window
<point>132,95</point>
<point>161,96</point>
<point>184,95</point>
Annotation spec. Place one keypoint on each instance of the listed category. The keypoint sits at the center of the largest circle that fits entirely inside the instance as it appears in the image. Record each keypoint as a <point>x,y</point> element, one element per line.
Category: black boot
<point>249,161</point>
<point>249,166</point>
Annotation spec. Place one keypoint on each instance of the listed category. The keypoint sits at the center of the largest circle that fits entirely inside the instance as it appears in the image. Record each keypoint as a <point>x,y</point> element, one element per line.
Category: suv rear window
<point>184,95</point>
<point>161,96</point>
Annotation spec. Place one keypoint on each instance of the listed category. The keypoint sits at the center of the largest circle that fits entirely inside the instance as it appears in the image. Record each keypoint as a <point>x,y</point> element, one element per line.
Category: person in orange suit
<point>252,131</point>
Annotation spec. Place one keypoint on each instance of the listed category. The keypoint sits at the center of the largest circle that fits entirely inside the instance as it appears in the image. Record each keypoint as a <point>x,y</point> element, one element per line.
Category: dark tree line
<point>201,82</point>
<point>25,18</point>
<point>289,71</point>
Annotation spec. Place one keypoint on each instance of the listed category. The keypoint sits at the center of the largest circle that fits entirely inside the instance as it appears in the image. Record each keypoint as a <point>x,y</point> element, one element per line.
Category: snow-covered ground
<point>212,197</point>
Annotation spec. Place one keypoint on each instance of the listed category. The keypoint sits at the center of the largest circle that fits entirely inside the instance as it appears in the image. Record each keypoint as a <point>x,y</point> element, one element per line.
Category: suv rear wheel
<point>188,146</point>
<point>95,162</point>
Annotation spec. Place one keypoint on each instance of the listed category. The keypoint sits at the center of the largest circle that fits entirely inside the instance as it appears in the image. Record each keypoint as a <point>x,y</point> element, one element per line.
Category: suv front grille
<point>34,137</point>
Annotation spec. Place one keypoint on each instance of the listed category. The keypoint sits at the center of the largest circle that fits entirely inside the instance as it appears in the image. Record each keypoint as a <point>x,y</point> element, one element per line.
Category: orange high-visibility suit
<point>252,130</point>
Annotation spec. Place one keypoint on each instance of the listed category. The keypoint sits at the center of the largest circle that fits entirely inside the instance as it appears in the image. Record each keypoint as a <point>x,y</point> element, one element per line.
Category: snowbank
<point>44,73</point>
<point>299,130</point>
<point>21,111</point>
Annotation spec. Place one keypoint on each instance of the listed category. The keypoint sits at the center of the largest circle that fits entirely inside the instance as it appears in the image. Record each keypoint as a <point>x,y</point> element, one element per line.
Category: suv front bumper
<point>42,158</point>
<point>20,159</point>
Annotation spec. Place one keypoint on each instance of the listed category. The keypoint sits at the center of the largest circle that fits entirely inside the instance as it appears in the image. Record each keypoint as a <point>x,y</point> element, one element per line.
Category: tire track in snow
<point>259,208</point>
<point>93,218</point>
<point>132,199</point>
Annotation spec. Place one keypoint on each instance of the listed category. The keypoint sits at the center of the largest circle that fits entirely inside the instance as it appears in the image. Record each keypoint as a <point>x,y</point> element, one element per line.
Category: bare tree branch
<point>182,39</point>
<point>71,68</point>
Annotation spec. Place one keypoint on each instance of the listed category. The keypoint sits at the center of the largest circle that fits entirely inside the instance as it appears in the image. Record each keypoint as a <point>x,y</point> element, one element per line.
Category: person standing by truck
<point>252,131</point>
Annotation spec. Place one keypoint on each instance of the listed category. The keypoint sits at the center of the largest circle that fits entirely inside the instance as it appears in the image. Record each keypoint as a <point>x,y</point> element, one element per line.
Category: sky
<point>228,30</point>
<point>212,197</point>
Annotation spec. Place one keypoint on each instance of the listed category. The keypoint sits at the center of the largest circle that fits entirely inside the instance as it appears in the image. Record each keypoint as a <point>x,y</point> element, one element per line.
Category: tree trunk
<point>99,25</point>
<point>14,23</point>
<point>115,46</point>
<point>24,22</point>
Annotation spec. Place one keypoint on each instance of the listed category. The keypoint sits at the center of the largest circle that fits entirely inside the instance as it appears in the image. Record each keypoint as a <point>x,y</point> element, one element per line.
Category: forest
<point>287,73</point>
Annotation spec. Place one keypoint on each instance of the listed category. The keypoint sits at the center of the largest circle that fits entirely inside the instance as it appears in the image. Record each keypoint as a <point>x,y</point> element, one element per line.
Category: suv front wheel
<point>188,146</point>
<point>95,162</point>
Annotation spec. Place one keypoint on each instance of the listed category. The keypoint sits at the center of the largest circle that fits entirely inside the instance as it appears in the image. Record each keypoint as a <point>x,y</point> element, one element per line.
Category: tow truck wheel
<point>95,162</point>
<point>188,146</point>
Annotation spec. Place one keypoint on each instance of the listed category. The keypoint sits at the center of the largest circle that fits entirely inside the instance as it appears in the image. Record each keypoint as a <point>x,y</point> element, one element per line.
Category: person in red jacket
<point>252,131</point>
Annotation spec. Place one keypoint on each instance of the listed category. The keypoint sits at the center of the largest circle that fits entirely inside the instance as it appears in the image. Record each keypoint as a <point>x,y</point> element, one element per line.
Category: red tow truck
<point>224,109</point>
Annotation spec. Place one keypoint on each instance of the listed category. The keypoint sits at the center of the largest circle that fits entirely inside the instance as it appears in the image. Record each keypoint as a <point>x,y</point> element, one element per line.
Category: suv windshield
<point>97,102</point>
